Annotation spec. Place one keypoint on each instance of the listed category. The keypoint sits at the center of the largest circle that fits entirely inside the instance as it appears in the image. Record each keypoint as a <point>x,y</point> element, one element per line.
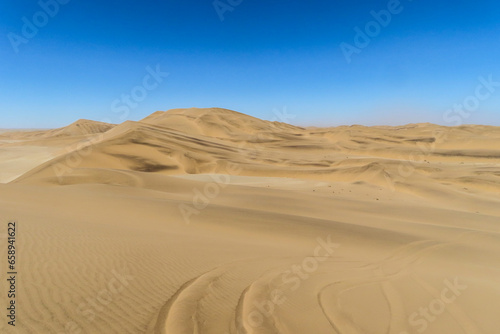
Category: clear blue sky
<point>264,56</point>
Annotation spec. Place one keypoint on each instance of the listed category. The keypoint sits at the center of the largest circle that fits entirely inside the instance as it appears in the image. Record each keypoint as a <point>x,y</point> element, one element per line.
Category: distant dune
<point>81,127</point>
<point>215,222</point>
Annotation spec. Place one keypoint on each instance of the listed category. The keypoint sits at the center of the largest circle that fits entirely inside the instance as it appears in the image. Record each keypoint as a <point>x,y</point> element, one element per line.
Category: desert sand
<point>210,221</point>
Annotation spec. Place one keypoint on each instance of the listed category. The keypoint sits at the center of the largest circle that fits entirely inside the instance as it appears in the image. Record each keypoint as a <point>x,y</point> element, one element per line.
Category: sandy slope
<point>211,221</point>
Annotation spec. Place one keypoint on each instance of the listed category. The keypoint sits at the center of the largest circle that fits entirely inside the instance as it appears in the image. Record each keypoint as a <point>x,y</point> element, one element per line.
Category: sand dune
<point>81,127</point>
<point>216,122</point>
<point>211,221</point>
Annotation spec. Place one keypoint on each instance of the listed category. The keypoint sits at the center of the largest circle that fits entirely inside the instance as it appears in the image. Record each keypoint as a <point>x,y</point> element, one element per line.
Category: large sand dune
<point>214,222</point>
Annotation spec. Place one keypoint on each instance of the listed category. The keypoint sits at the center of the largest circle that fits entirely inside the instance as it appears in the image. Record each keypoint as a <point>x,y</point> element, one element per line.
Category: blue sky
<point>84,58</point>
